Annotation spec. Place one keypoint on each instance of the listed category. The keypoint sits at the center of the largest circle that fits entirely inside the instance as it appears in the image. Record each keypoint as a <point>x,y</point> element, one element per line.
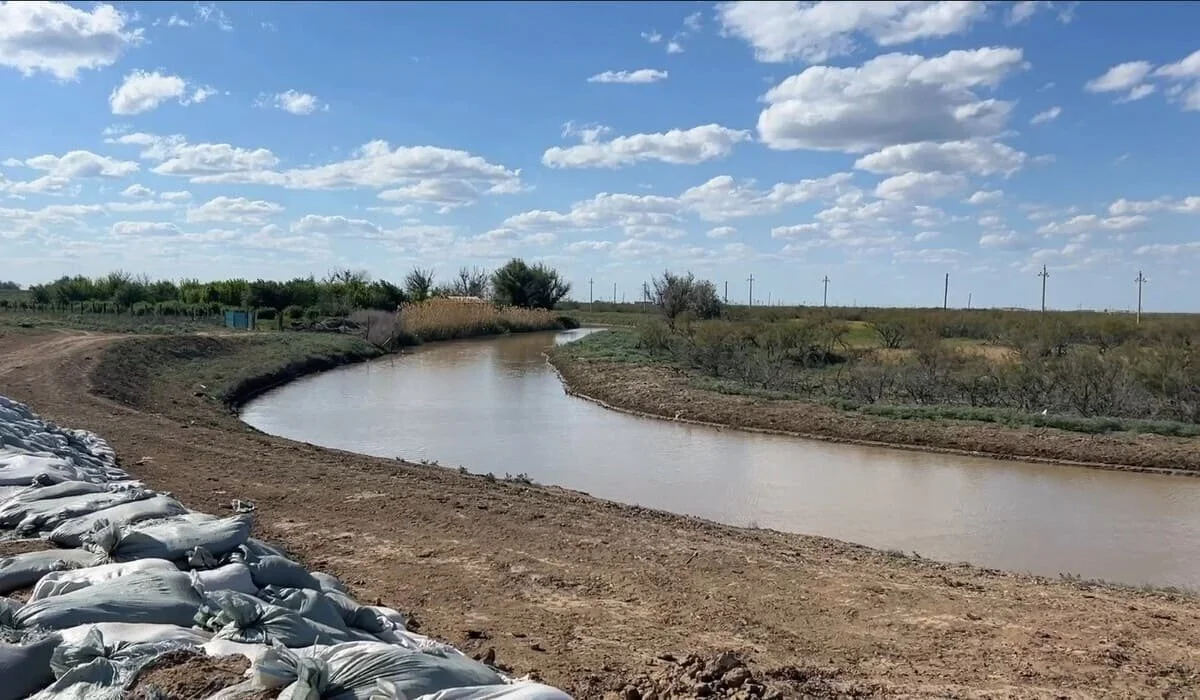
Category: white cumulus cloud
<point>677,146</point>
<point>56,38</point>
<point>891,99</point>
<point>235,210</point>
<point>816,31</point>
<point>293,102</point>
<point>978,157</point>
<point>143,91</point>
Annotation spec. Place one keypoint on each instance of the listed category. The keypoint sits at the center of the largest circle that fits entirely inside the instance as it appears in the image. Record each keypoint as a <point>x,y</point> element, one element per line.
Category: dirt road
<point>588,593</point>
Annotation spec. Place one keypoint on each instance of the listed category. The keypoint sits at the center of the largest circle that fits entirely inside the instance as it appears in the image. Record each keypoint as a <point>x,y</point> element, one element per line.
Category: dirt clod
<point>185,674</point>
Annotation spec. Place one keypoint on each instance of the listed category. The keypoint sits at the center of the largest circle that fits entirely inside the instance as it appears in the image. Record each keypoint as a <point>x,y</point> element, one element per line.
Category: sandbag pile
<point>127,575</point>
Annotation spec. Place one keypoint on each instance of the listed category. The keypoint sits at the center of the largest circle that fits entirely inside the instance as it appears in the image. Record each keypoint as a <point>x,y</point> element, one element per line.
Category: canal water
<point>495,406</point>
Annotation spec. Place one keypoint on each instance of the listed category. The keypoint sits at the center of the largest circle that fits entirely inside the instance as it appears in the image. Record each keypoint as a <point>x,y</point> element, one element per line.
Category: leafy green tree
<point>531,287</point>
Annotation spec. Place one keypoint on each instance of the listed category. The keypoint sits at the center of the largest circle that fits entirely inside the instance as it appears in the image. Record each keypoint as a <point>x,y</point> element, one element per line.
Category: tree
<point>531,287</point>
<point>418,284</point>
<point>678,294</point>
<point>471,282</point>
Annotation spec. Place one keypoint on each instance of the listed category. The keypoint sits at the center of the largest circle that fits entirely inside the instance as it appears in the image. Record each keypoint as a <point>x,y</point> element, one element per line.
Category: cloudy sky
<point>883,144</point>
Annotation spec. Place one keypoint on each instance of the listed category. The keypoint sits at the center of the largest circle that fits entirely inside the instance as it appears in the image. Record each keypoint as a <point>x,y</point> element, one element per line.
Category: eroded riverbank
<point>589,592</point>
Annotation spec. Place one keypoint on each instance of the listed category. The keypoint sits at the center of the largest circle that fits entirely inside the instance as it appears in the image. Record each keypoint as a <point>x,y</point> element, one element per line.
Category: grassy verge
<point>230,370</point>
<point>608,318</point>
<point>17,321</point>
<point>620,345</point>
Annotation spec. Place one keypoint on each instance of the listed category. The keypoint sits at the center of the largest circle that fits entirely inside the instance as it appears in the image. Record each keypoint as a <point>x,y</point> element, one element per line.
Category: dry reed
<point>446,319</point>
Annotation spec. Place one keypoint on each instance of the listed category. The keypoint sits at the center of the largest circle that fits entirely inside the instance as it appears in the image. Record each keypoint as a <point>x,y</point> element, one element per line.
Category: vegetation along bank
<point>1092,388</point>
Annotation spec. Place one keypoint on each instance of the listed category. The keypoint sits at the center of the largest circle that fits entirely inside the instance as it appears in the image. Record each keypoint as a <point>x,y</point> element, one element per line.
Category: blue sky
<point>883,144</point>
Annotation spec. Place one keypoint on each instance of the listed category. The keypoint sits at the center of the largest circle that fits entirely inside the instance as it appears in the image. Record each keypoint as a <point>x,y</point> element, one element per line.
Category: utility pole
<point>726,302</point>
<point>751,281</point>
<point>614,292</point>
<point>968,301</point>
<point>1141,279</point>
<point>646,292</point>
<point>1043,274</point>
<point>768,297</point>
<point>825,297</point>
<point>946,294</point>
<point>591,296</point>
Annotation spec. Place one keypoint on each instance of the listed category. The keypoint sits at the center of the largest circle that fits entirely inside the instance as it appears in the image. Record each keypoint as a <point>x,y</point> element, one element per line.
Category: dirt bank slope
<point>585,591</point>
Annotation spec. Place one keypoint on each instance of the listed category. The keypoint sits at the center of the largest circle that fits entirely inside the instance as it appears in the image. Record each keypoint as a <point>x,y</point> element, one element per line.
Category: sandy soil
<point>605,600</point>
<point>665,392</point>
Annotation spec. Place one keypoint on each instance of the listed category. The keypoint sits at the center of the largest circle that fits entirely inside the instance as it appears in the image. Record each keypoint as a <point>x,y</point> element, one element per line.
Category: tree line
<point>340,291</point>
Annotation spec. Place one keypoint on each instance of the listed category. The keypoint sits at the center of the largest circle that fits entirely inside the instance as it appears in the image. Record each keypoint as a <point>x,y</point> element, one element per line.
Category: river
<point>495,406</point>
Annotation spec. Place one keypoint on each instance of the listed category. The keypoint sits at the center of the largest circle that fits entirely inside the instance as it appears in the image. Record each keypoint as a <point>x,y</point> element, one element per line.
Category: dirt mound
<point>185,674</point>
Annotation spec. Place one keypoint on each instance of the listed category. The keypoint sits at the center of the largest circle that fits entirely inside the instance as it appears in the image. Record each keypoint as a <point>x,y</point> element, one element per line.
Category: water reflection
<point>495,406</point>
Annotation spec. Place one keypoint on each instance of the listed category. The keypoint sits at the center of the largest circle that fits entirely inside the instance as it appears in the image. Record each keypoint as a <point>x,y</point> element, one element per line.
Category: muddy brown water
<point>496,406</point>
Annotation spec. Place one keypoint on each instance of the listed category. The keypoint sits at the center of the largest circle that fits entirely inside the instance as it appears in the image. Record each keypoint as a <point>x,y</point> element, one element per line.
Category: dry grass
<point>446,319</point>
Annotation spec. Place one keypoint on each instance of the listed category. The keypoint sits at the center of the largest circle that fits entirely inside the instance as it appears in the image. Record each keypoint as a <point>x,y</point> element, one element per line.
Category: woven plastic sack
<point>60,582</point>
<point>154,597</point>
<point>24,570</point>
<point>25,669</point>
<point>70,533</point>
<point>353,672</point>
<point>169,539</point>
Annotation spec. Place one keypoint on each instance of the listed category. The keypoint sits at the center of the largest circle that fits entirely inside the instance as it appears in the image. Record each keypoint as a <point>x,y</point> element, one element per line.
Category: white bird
<point>677,415</point>
<point>1044,410</point>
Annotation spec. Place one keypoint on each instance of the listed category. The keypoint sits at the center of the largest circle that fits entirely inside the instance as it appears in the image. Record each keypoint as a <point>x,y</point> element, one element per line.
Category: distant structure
<point>467,299</point>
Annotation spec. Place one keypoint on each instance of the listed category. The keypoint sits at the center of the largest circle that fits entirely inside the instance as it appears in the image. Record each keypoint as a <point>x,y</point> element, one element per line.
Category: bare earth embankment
<point>588,593</point>
<point>664,391</point>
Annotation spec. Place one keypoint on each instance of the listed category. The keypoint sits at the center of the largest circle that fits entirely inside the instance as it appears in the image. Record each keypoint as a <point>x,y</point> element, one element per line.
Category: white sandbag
<point>29,494</point>
<point>259,548</point>
<point>24,570</point>
<point>243,618</point>
<point>231,577</point>
<point>309,604</point>
<point>70,533</point>
<point>352,672</point>
<point>98,669</point>
<point>133,633</point>
<point>21,469</point>
<point>514,691</point>
<point>60,582</point>
<point>95,680</point>
<point>153,597</point>
<point>49,513</point>
<point>171,538</point>
<point>217,648</point>
<point>25,668</point>
<point>279,571</point>
<point>329,582</point>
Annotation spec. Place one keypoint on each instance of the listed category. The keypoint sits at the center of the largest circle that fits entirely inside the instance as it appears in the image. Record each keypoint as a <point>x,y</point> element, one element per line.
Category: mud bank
<point>600,598</point>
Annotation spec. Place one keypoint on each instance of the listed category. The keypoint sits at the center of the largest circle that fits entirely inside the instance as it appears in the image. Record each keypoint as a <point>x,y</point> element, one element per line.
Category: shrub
<point>526,286</point>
